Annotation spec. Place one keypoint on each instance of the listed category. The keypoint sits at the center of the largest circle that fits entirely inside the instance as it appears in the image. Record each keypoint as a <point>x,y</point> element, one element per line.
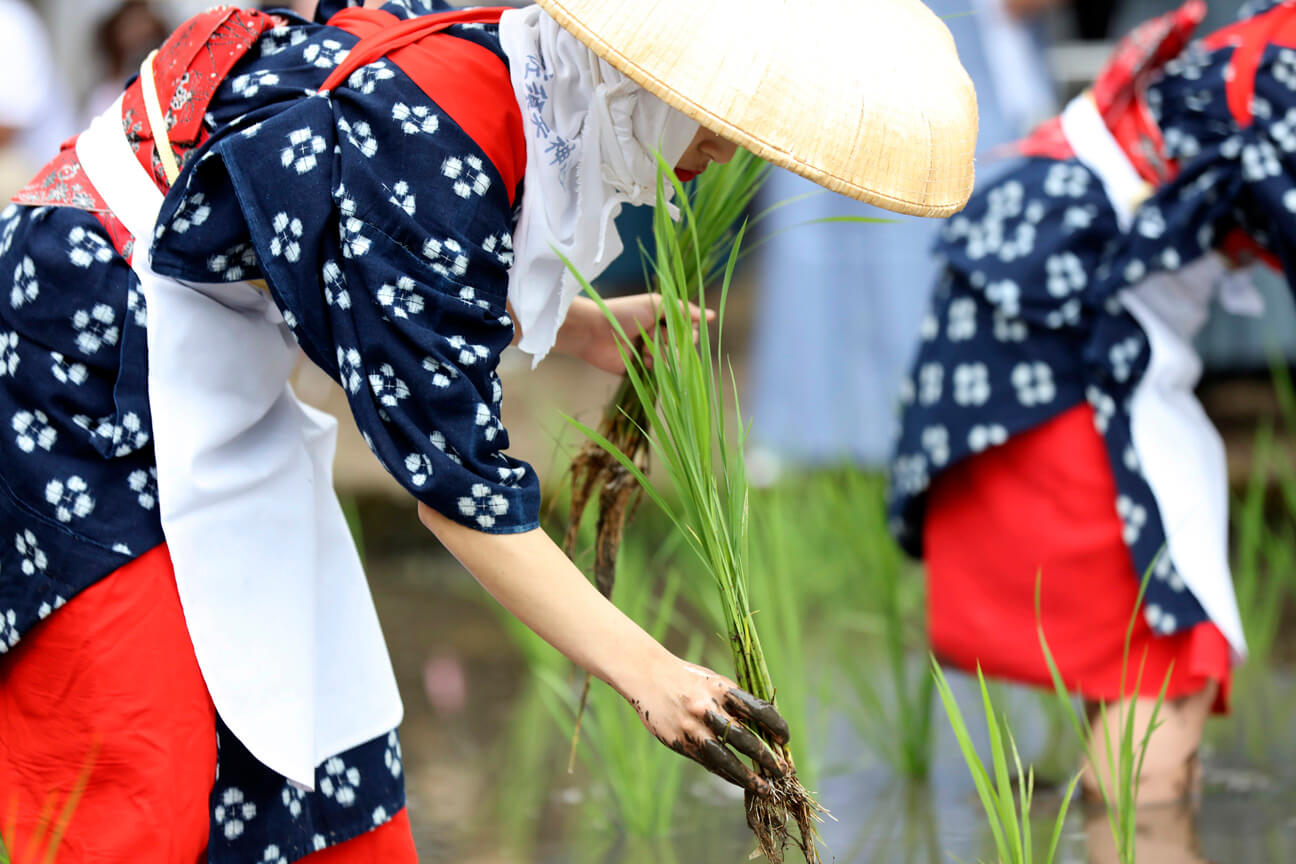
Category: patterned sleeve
<point>383,232</point>
<point>1266,208</point>
<point>1235,178</point>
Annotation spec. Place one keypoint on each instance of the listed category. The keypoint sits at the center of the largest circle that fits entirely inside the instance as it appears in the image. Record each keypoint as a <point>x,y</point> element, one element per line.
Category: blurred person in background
<point>1050,430</point>
<point>123,38</point>
<point>35,110</point>
<point>839,305</point>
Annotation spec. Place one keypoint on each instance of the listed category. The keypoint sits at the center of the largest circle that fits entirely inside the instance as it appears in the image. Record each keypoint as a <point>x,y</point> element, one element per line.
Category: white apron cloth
<point>272,588</point>
<point>1181,453</point>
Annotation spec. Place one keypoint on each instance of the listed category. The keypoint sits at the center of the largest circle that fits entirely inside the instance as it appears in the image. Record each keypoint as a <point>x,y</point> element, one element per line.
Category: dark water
<point>487,779</point>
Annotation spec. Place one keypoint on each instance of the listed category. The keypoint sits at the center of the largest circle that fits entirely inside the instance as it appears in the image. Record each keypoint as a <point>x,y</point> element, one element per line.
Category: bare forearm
<point>692,710</point>
<point>531,578</point>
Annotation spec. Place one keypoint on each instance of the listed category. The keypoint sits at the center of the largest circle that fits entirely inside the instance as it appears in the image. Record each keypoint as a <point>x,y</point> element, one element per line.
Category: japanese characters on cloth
<point>1046,301</point>
<point>592,141</point>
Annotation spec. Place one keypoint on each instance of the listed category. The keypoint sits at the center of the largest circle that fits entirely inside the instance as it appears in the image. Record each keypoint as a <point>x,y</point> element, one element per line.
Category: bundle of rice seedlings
<point>676,383</point>
<point>718,198</point>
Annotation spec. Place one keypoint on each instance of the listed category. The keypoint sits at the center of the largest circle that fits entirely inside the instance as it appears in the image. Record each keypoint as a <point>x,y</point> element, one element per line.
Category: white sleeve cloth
<point>592,136</point>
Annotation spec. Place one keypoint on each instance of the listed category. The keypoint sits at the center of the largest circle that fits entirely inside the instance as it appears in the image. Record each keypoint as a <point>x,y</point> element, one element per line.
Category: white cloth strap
<point>1098,149</point>
<point>274,596</point>
<point>1180,453</point>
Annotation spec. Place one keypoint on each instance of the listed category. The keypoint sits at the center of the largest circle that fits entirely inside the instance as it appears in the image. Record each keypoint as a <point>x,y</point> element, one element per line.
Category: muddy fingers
<point>758,714</point>
<point>720,760</point>
<point>741,739</point>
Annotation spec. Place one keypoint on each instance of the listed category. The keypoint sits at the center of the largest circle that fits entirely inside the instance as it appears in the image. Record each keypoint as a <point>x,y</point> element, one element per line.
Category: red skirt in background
<point>1044,503</point>
<point>106,728</point>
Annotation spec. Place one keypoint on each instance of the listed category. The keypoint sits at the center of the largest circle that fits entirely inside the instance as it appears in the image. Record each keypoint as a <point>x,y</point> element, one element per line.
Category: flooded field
<point>488,724</point>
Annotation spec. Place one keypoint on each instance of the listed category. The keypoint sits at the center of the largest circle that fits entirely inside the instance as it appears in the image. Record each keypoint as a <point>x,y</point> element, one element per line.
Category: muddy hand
<point>707,718</point>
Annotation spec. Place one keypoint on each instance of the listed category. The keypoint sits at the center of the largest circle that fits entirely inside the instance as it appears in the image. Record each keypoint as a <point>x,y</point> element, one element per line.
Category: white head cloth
<point>591,136</point>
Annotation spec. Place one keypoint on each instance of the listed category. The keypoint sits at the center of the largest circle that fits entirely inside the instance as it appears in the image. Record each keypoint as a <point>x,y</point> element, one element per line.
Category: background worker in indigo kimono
<point>186,635</point>
<point>1049,425</point>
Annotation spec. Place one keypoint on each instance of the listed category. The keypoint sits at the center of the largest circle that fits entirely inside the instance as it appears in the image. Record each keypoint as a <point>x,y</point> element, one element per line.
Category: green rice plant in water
<point>1007,804</point>
<point>894,716</point>
<point>678,385</point>
<point>644,779</point>
<point>1124,755</point>
<point>1262,560</point>
<point>784,560</point>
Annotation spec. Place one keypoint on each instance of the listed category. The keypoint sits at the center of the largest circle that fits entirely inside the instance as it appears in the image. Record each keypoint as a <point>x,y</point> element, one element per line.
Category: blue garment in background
<point>840,304</point>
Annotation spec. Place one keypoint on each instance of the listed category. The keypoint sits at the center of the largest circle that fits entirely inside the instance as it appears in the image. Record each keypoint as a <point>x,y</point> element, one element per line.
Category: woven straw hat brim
<point>864,97</point>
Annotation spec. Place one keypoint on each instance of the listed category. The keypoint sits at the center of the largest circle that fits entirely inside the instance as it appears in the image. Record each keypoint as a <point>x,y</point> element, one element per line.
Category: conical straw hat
<point>864,97</point>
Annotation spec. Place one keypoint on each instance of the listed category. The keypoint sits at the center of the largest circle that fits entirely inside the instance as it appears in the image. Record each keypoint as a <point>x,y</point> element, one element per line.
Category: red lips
<point>685,176</point>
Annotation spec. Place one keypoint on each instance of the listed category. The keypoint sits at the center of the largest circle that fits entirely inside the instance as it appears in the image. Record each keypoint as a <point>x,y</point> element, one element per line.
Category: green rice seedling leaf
<point>1059,823</point>
<point>1284,391</point>
<point>1125,758</point>
<point>980,777</point>
<point>1002,779</point>
<point>1007,807</point>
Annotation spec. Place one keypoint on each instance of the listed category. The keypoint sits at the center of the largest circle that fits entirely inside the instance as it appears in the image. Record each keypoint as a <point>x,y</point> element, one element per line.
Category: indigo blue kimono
<point>384,234</point>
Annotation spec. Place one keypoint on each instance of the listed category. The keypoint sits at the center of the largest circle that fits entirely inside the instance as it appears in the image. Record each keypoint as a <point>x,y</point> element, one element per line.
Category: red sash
<point>469,83</point>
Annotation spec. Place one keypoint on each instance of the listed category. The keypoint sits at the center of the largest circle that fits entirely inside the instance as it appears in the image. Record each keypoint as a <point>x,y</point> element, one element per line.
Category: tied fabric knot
<point>592,138</point>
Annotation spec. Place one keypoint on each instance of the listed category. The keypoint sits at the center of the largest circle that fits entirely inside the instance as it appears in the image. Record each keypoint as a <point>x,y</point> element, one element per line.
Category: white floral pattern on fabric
<point>9,635</point>
<point>25,286</point>
<point>288,232</point>
<point>235,264</point>
<point>30,553</point>
<point>325,54</point>
<point>95,328</point>
<point>233,813</point>
<point>418,120</point>
<point>340,781</point>
<point>303,151</point>
<point>86,249</point>
<point>9,358</point>
<point>64,372</point>
<point>361,137</point>
<point>447,256</point>
<point>33,430</point>
<point>483,506</point>
<point>404,198</point>
<point>193,212</point>
<point>388,388</point>
<point>468,175</point>
<point>392,757</point>
<point>144,484</point>
<point>402,299</point>
<point>248,86</point>
<point>71,498</point>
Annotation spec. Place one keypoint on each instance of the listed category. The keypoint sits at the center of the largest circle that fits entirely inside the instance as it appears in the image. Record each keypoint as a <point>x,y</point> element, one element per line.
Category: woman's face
<point>706,147</point>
